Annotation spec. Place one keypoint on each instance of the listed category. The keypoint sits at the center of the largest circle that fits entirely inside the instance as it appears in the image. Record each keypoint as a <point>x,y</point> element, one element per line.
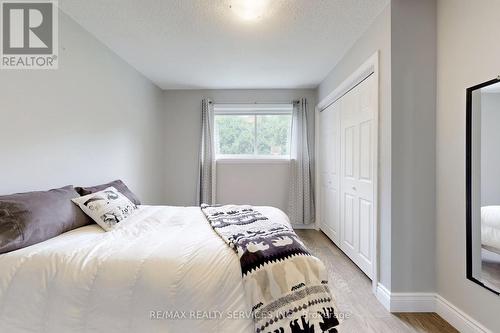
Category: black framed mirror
<point>483,184</point>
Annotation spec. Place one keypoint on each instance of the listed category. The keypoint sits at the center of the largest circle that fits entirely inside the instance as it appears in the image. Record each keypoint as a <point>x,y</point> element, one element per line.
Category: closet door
<point>329,171</point>
<point>357,174</point>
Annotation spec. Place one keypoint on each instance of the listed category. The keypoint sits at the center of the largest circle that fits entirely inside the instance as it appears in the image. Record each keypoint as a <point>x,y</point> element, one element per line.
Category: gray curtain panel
<point>301,196</point>
<point>207,170</point>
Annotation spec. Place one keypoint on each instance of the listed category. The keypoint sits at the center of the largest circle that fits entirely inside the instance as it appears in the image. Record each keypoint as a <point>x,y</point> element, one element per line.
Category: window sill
<point>240,160</point>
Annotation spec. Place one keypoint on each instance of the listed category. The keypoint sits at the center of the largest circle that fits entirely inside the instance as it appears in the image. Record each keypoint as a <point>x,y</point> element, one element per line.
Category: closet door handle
<point>354,188</point>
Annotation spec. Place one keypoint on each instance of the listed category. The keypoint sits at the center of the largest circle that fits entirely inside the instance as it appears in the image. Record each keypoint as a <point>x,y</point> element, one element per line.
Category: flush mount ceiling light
<point>249,10</point>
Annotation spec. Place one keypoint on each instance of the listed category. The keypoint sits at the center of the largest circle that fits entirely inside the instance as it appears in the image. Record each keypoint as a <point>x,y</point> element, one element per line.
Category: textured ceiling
<point>190,44</point>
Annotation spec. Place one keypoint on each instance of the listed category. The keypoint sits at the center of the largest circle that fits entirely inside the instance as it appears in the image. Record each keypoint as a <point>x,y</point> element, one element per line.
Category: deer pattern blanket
<point>286,286</point>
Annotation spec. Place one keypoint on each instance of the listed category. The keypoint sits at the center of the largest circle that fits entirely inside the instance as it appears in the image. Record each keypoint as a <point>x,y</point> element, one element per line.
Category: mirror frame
<point>468,180</point>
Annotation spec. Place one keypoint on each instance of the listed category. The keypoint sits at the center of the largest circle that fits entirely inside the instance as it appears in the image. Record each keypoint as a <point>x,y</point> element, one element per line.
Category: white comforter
<point>490,228</point>
<point>161,260</point>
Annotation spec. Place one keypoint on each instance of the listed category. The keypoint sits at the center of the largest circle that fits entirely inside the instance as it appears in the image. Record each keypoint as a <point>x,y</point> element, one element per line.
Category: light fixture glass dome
<point>249,10</point>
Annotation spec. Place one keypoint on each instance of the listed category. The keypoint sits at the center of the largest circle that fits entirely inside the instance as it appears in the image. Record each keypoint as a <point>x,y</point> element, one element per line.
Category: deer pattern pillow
<point>107,207</point>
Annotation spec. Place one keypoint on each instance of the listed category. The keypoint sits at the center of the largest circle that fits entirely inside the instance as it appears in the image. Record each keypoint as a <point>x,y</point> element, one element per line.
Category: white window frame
<point>252,110</point>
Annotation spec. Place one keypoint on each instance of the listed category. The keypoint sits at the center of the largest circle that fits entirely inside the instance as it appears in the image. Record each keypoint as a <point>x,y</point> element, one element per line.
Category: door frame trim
<point>369,67</point>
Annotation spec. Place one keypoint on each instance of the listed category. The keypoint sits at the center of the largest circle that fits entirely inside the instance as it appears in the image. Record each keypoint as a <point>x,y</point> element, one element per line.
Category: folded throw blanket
<point>286,286</point>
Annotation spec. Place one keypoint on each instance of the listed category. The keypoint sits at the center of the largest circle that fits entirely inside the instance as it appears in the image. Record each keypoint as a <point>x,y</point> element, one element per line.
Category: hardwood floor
<point>354,297</point>
<point>491,273</point>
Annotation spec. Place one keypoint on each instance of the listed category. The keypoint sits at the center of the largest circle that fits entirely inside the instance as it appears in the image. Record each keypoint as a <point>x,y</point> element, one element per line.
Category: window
<point>253,130</point>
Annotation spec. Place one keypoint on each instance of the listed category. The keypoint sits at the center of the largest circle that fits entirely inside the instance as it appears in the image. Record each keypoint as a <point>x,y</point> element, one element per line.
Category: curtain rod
<point>255,103</point>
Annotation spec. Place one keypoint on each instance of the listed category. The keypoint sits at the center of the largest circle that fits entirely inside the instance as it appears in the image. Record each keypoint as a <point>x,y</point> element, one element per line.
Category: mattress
<point>490,228</point>
<point>162,270</point>
<point>489,255</point>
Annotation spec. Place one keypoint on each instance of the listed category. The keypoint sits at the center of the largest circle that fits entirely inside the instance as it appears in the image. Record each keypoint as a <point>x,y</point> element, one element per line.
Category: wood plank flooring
<point>354,297</point>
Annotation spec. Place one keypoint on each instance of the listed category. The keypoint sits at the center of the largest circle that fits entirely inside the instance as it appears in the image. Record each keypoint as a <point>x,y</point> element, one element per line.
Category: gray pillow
<point>117,184</point>
<point>33,217</point>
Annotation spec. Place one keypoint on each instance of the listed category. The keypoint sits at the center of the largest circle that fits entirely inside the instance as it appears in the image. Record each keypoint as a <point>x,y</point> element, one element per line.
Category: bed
<point>165,270</point>
<point>490,228</point>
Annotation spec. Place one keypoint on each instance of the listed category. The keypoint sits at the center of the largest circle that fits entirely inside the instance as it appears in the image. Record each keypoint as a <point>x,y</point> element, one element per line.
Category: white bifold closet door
<point>329,169</point>
<point>357,178</point>
<point>348,156</point>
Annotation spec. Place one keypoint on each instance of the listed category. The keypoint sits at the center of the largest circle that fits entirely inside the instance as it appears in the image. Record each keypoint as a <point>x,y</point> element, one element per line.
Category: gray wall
<point>182,126</point>
<point>376,38</point>
<point>413,61</point>
<point>405,36</point>
<point>490,151</point>
<point>468,54</point>
<point>92,120</point>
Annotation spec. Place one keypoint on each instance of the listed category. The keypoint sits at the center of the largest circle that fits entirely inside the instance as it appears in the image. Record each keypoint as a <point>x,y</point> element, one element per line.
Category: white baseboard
<point>429,302</point>
<point>384,296</point>
<point>305,226</point>
<point>413,302</point>
<point>457,318</point>
<point>406,302</point>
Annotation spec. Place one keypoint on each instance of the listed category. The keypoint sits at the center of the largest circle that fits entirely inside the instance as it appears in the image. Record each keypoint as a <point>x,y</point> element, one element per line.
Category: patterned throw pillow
<point>107,207</point>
